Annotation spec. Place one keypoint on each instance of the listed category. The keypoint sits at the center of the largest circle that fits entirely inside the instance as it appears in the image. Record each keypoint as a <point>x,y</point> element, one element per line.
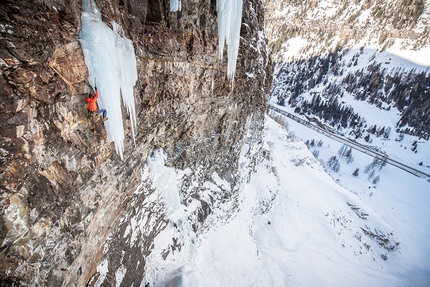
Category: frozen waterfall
<point>229,22</point>
<point>110,59</point>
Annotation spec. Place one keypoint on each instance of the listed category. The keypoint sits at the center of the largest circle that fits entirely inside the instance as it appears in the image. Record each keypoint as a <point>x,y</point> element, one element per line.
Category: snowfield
<point>295,226</point>
<point>309,235</point>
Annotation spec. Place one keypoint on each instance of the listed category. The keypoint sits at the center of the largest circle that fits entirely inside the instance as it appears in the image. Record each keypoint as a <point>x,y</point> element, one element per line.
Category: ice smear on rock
<point>229,22</point>
<point>110,59</point>
<point>182,277</point>
<point>164,181</point>
<point>175,5</point>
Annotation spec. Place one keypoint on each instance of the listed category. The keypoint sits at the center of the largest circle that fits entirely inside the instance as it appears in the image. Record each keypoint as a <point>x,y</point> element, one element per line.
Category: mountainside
<point>322,85</point>
<point>208,191</point>
<point>64,188</point>
<point>360,68</point>
<point>327,26</point>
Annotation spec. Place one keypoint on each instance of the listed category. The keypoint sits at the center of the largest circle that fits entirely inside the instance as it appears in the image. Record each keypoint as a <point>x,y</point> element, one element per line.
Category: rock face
<point>63,187</point>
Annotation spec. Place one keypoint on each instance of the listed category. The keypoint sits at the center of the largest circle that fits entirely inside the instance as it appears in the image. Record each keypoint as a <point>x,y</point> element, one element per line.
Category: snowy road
<point>353,144</point>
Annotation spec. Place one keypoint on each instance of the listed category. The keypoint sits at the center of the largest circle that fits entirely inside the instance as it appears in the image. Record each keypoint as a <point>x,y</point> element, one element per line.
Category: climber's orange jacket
<point>92,105</point>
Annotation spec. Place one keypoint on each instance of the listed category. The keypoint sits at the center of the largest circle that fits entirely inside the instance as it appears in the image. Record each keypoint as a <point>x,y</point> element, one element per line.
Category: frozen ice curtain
<point>110,59</point>
<point>229,22</point>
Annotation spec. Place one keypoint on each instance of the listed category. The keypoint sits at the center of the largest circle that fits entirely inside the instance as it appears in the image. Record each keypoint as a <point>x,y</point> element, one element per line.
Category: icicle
<point>110,59</point>
<point>229,23</point>
<point>126,67</point>
<point>175,5</point>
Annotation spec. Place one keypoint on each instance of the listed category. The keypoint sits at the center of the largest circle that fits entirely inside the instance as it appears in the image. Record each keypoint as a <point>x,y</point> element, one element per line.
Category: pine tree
<point>356,172</point>
<point>376,179</point>
<point>333,163</point>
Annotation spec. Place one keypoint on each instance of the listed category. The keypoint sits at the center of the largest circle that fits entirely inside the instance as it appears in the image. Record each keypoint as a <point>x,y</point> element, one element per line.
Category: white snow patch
<point>419,57</point>
<point>292,48</point>
<point>119,275</point>
<point>102,268</point>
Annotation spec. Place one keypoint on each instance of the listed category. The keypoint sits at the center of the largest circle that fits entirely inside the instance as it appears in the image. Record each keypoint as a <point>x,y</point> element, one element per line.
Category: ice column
<point>110,59</point>
<point>175,5</point>
<point>229,22</point>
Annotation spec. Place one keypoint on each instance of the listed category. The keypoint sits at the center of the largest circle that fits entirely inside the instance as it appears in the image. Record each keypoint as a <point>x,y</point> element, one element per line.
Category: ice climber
<point>92,105</point>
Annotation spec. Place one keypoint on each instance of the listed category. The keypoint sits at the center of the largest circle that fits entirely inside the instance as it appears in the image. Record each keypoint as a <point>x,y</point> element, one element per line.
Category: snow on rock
<point>103,270</point>
<point>110,59</point>
<point>229,23</point>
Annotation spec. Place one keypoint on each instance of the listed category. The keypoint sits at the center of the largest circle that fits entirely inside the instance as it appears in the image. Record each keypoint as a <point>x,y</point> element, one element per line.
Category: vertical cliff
<point>63,187</point>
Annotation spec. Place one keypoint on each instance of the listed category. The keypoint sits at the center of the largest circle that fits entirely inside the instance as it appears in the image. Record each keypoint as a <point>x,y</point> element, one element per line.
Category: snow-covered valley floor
<point>295,226</point>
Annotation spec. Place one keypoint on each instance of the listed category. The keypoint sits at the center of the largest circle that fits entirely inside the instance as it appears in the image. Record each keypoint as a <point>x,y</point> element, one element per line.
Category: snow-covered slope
<point>314,28</point>
<point>310,235</point>
<point>367,96</point>
<point>295,226</point>
<point>359,67</point>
